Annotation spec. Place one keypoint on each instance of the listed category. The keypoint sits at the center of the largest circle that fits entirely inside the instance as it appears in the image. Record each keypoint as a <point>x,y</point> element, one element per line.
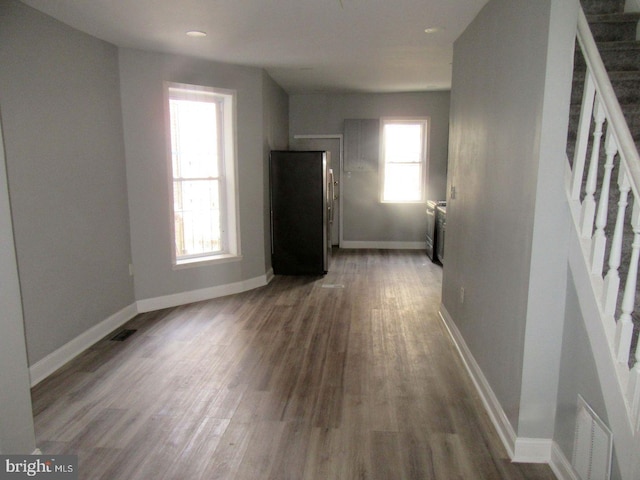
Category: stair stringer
<point>626,443</point>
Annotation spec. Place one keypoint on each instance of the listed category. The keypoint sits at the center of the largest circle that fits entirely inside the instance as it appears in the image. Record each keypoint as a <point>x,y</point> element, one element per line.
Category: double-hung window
<point>202,147</point>
<point>403,160</point>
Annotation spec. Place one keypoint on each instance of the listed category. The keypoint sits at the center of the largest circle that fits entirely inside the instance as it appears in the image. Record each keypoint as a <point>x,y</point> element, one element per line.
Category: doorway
<point>333,145</point>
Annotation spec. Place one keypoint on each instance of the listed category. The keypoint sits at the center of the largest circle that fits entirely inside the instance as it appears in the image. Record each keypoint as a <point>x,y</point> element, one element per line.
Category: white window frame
<point>228,190</point>
<point>424,157</point>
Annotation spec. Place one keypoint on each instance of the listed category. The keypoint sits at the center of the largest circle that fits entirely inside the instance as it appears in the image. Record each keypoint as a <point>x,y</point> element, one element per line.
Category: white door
<point>333,145</point>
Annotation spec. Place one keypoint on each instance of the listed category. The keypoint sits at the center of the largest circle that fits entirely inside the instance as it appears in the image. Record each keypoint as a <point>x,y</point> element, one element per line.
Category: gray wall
<point>549,243</point>
<point>364,217</point>
<point>60,100</point>
<point>509,108</point>
<point>578,376</point>
<point>142,75</point>
<point>16,421</point>
<point>276,137</point>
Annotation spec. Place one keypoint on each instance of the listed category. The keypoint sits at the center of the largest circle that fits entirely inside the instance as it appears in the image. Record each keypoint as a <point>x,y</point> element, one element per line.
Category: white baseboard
<point>52,362</point>
<point>532,450</point>
<point>176,299</point>
<point>384,245</point>
<point>632,6</point>
<point>269,275</point>
<point>560,465</point>
<point>525,450</point>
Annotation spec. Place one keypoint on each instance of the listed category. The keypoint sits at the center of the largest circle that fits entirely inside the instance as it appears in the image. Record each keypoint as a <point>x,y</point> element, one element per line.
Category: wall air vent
<point>592,446</point>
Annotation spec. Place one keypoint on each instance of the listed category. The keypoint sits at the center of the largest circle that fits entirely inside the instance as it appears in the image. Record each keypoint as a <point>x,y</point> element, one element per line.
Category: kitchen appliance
<point>441,224</point>
<point>432,228</point>
<point>301,198</point>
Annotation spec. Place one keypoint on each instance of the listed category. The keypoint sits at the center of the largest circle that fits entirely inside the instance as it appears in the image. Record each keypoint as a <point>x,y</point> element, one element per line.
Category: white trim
<point>425,123</point>
<point>228,196</point>
<point>627,150</point>
<point>383,245</point>
<point>176,299</point>
<point>269,275</point>
<point>520,450</point>
<point>532,450</point>
<point>632,6</point>
<point>499,419</point>
<point>206,260</point>
<point>608,369</point>
<point>560,465</point>
<point>52,362</point>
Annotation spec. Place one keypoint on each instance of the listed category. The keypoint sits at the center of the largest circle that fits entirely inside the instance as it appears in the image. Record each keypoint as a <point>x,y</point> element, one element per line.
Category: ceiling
<point>305,45</point>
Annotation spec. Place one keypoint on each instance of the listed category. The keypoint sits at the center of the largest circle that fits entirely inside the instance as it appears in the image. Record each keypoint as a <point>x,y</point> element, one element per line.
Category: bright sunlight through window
<point>202,162</point>
<point>404,159</point>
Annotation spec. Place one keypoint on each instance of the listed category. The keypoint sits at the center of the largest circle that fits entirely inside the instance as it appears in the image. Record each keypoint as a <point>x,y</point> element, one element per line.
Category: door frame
<point>340,137</point>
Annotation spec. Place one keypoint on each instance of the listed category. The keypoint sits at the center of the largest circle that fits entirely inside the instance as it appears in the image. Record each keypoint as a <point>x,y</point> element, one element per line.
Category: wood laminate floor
<point>346,376</point>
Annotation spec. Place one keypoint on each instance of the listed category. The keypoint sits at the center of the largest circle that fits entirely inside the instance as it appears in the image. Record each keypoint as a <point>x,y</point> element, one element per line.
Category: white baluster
<point>582,139</point>
<point>624,330</point>
<point>612,280</point>
<point>589,202</point>
<point>599,244</point>
<point>633,390</point>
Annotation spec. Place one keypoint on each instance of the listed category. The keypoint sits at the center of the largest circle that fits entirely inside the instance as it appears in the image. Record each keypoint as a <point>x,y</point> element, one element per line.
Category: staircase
<point>603,191</point>
<point>615,34</point>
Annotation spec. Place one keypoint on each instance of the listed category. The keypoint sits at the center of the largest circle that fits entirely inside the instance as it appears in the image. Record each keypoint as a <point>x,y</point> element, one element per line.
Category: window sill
<point>205,261</point>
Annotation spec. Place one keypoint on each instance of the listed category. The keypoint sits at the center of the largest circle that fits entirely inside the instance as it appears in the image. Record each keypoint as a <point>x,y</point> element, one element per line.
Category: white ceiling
<point>305,45</point>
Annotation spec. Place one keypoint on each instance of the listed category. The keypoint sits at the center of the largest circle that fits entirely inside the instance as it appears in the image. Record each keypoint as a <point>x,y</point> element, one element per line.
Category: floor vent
<point>592,446</point>
<point>122,335</point>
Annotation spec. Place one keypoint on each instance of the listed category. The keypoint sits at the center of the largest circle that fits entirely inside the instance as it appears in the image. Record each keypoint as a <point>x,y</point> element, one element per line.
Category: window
<point>404,160</point>
<point>202,152</point>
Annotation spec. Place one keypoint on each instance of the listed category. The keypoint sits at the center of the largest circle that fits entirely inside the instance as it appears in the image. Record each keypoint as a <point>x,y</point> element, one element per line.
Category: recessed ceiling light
<point>432,30</point>
<point>196,33</point>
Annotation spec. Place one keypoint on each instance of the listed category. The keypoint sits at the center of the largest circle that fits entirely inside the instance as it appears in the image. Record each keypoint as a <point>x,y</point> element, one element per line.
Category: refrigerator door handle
<point>332,193</point>
<point>272,238</point>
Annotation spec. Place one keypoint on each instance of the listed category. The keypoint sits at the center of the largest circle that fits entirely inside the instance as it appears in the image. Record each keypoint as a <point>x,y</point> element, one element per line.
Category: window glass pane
<point>403,143</point>
<point>197,217</point>
<point>194,139</point>
<point>403,160</point>
<point>402,182</point>
<point>202,154</point>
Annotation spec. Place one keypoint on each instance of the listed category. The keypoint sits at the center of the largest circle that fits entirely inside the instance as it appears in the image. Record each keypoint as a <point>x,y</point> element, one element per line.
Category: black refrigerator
<point>301,197</point>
